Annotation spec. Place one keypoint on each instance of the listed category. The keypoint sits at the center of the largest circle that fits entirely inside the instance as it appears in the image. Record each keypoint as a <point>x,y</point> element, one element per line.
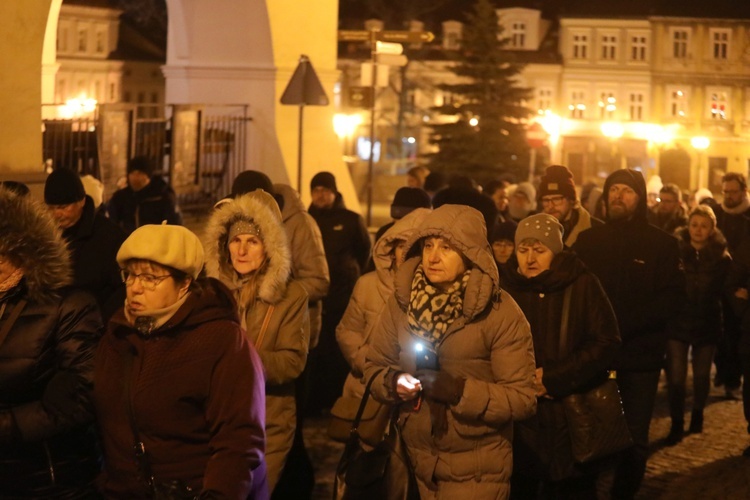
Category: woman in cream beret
<point>176,380</point>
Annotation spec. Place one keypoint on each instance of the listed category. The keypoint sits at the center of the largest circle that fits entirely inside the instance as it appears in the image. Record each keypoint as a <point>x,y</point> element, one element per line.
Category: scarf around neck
<point>431,310</point>
<point>739,209</point>
<point>151,320</point>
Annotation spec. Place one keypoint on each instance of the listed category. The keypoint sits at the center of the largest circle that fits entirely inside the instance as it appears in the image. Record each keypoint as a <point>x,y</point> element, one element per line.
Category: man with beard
<point>557,197</point>
<point>639,267</point>
<point>733,219</point>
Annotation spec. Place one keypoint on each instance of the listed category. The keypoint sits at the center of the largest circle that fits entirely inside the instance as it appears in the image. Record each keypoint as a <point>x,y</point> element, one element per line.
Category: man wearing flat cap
<point>147,199</point>
<point>347,247</point>
<point>639,267</point>
<point>557,197</point>
<point>93,239</point>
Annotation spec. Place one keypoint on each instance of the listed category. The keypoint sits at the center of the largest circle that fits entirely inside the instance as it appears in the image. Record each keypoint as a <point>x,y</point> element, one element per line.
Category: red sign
<point>536,136</point>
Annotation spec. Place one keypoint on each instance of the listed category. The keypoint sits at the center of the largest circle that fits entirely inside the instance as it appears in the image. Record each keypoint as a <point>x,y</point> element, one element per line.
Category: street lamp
<point>344,126</point>
<point>700,143</point>
<point>613,131</point>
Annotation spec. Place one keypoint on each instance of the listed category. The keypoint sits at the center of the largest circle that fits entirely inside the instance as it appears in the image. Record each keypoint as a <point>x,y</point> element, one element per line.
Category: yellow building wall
<point>23,24</point>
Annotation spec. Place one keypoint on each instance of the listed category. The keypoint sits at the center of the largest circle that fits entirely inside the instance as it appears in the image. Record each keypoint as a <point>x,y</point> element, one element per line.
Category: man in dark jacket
<point>733,218</point>
<point>347,247</point>
<point>93,239</point>
<point>147,199</point>
<point>557,197</point>
<point>668,214</point>
<point>639,267</point>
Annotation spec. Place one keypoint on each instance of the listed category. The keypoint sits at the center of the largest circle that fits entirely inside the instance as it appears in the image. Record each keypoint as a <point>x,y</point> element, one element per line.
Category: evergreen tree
<point>488,136</point>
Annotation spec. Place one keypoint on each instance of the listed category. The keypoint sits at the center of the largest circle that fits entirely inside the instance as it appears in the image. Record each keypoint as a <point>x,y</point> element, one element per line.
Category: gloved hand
<point>441,386</point>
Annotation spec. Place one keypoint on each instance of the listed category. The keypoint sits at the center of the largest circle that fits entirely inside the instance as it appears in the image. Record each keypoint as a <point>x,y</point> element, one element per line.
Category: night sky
<point>454,9</point>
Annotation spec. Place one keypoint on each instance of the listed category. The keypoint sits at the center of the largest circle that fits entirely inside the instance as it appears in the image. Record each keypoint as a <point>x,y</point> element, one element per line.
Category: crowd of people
<point>140,360</point>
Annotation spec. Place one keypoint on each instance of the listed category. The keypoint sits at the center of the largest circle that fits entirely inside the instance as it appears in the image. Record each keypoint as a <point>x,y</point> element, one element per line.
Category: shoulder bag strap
<point>138,447</point>
<point>362,404</point>
<point>564,321</point>
<point>12,317</point>
<point>264,328</point>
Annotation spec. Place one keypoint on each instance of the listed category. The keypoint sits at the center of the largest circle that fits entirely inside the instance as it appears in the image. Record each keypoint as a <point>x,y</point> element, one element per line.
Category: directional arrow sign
<point>406,36</point>
<point>386,36</point>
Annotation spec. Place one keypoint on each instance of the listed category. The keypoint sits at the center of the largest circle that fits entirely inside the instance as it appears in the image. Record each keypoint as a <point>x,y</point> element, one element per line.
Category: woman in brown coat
<point>247,249</point>
<point>457,417</point>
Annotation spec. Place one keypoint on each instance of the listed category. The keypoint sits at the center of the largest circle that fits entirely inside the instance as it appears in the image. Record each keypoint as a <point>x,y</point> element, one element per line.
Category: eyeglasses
<point>148,281</point>
<point>553,200</point>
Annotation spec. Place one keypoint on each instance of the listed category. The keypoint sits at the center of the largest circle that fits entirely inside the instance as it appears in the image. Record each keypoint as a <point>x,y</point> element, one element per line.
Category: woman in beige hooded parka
<point>456,419</point>
<point>370,296</point>
<point>247,249</point>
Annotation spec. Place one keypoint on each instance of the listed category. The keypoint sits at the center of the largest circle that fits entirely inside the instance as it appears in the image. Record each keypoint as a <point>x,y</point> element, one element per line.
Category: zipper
<point>51,467</point>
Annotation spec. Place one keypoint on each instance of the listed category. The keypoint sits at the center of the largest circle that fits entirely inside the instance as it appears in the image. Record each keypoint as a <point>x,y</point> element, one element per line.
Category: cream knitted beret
<point>168,245</point>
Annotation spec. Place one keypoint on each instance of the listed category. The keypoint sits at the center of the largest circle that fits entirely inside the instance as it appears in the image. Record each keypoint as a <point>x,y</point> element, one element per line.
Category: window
<point>577,106</point>
<point>720,44</point>
<point>607,105</point>
<point>718,104</point>
<point>126,96</point>
<point>82,41</point>
<point>638,48</point>
<point>609,47</point>
<point>636,106</point>
<point>61,91</point>
<point>112,93</point>
<point>99,42</point>
<point>62,40</point>
<point>580,46</point>
<point>677,99</point>
<point>680,38</point>
<point>544,99</point>
<point>518,35</point>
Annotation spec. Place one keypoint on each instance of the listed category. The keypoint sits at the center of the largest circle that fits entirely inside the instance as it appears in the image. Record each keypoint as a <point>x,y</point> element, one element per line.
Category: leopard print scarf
<point>432,310</point>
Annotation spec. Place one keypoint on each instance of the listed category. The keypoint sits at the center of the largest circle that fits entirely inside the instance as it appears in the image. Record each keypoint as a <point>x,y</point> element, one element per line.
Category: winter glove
<point>441,386</point>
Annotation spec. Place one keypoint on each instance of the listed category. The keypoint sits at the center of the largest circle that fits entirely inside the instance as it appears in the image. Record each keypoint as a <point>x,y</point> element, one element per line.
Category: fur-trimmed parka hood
<point>32,241</point>
<point>402,229</point>
<point>262,209</point>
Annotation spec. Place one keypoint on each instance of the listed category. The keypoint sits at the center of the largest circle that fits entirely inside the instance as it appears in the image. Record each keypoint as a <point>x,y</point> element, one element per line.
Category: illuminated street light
<point>345,125</point>
<point>612,130</point>
<point>473,121</point>
<point>78,107</point>
<point>700,143</point>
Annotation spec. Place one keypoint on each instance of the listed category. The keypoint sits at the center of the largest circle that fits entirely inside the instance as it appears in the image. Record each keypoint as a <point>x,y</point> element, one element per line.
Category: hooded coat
<point>196,394</point>
<point>701,320</point>
<point>489,345</point>
<point>369,298</point>
<point>542,444</point>
<point>284,346</point>
<point>309,266</point>
<point>153,204</point>
<point>639,267</point>
<point>47,443</point>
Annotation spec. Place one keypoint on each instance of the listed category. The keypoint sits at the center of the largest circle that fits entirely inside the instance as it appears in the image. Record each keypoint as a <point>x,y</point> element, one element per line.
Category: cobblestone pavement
<point>703,466</point>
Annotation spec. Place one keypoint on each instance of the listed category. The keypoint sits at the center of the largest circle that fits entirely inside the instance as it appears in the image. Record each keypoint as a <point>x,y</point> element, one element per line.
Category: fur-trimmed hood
<point>32,241</point>
<point>264,211</point>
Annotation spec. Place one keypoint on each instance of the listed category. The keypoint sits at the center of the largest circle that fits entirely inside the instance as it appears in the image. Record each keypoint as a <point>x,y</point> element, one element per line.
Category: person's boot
<point>676,433</point>
<point>696,422</point>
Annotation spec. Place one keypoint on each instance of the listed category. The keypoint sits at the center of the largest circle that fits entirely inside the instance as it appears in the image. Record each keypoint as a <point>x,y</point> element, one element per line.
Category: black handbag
<point>373,420</point>
<point>596,421</point>
<point>377,473</point>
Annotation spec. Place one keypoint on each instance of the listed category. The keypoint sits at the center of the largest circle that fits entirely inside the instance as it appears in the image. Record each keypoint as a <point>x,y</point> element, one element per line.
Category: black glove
<point>441,386</point>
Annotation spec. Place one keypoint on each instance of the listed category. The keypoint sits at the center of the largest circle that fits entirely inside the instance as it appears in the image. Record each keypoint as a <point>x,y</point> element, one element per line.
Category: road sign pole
<point>299,149</point>
<point>371,159</point>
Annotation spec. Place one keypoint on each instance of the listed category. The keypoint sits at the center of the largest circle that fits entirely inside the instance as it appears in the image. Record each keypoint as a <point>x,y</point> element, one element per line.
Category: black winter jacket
<point>46,415</point>
<point>639,267</point>
<point>701,320</point>
<point>542,446</point>
<point>151,205</point>
<point>347,246</point>
<point>94,241</point>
